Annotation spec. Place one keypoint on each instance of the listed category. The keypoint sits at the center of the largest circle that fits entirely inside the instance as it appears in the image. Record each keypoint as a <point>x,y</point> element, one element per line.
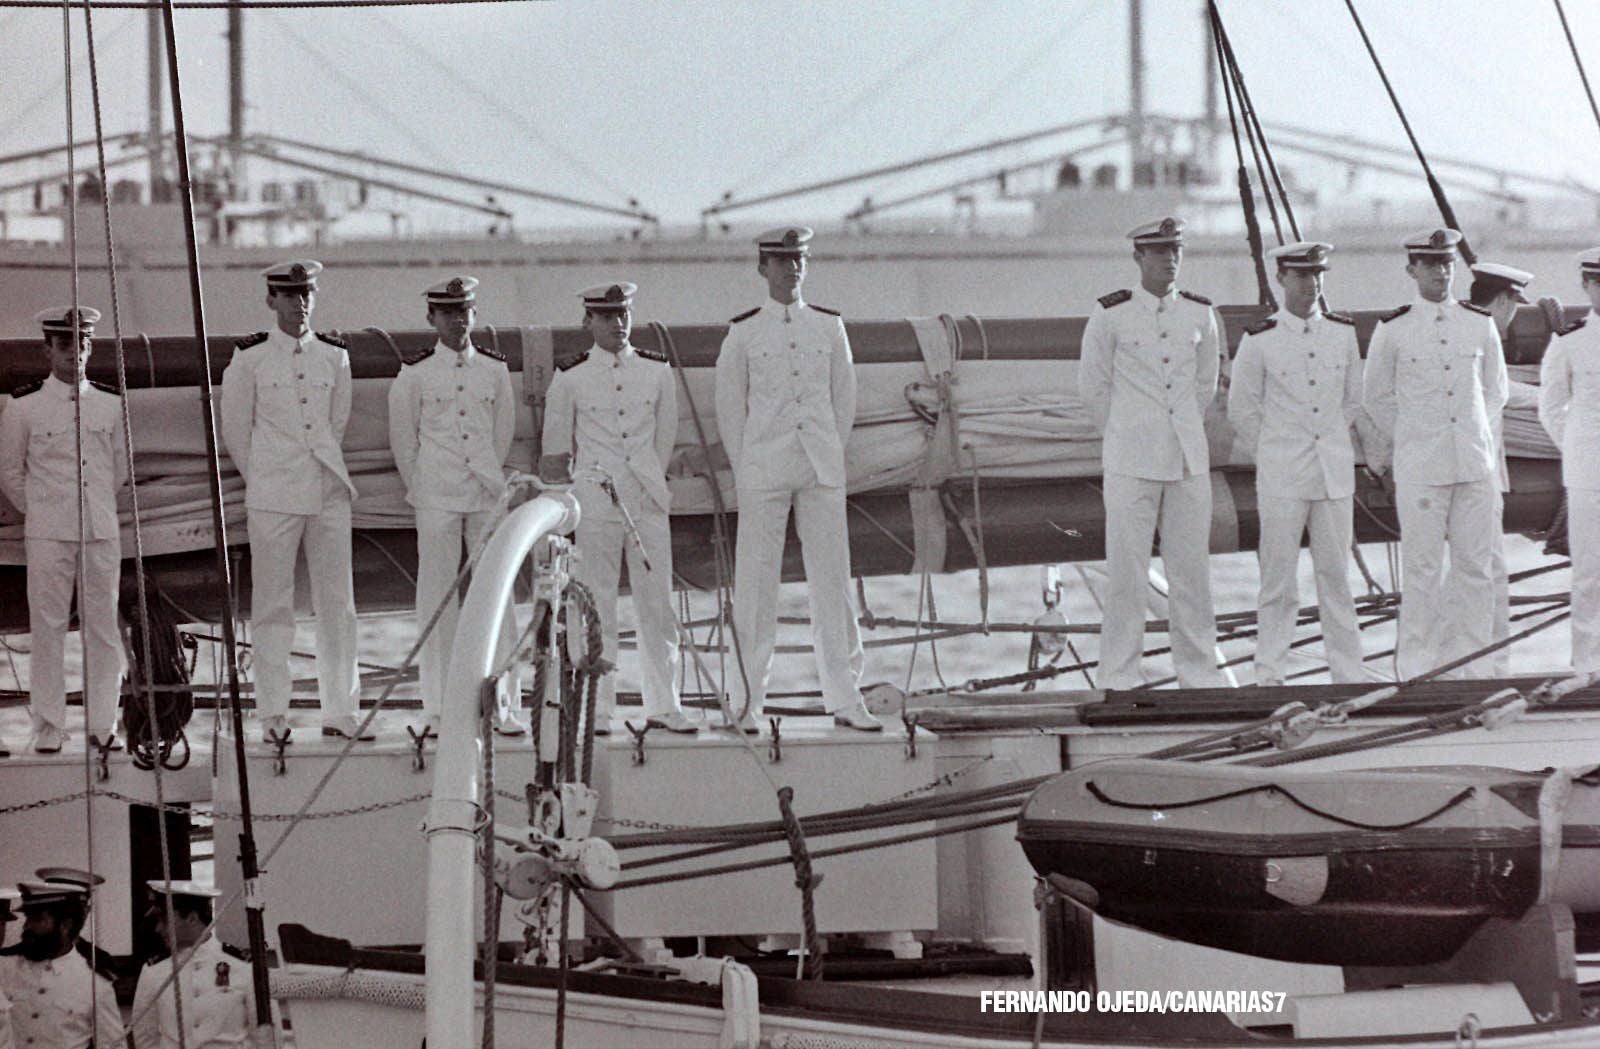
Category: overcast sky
<point>674,103</point>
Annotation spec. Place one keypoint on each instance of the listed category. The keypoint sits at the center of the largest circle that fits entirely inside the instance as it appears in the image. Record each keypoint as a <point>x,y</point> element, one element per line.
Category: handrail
<point>452,815</point>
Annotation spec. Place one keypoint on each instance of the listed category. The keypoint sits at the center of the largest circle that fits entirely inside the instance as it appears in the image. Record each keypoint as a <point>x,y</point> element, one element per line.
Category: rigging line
<point>263,5</point>
<point>335,69</point>
<point>1259,132</point>
<point>1247,197</point>
<point>33,105</point>
<point>836,117</point>
<point>1251,131</point>
<point>1439,197</point>
<point>507,113</point>
<point>1577,61</point>
<point>148,675</point>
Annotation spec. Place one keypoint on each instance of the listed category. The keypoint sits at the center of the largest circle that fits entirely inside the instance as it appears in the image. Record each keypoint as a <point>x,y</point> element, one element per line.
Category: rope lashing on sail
<point>1577,61</point>
<point>1278,790</point>
<point>1445,211</point>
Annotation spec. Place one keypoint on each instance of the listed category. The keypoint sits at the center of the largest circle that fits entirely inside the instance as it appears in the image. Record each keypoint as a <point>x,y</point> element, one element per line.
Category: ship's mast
<point>155,68</point>
<point>1137,154</point>
<point>236,92</point>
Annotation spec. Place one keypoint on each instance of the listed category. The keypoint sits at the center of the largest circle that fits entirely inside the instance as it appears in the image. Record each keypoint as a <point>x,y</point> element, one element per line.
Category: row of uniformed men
<point>785,400</point>
<point>1426,409</point>
<point>51,997</point>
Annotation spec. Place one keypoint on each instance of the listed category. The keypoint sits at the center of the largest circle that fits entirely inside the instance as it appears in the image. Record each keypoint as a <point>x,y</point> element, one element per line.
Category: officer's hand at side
<point>555,469</point>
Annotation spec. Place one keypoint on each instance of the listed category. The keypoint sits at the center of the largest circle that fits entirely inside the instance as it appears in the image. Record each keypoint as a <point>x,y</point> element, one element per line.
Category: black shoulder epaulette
<point>1567,329</point>
<point>579,359</point>
<point>1116,298</point>
<point>106,387</point>
<point>103,963</point>
<point>251,340</point>
<point>38,384</point>
<point>11,951</point>
<point>1339,318</point>
<point>652,355</point>
<point>1468,304</point>
<point>1192,297</point>
<point>419,356</point>
<point>1398,311</point>
<point>491,353</point>
<point>236,952</point>
<point>746,315</point>
<point>1265,324</point>
<point>333,340</point>
<point>824,309</point>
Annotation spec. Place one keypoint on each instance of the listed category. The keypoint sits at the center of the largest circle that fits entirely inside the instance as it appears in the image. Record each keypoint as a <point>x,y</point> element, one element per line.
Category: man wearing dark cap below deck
<point>786,402</point>
<point>1569,408</point>
<point>58,1001</point>
<point>218,999</point>
<point>285,403</point>
<point>1295,395</point>
<point>1435,378</point>
<point>615,409</point>
<point>1148,372</point>
<point>40,474</point>
<point>1500,289</point>
<point>452,416</point>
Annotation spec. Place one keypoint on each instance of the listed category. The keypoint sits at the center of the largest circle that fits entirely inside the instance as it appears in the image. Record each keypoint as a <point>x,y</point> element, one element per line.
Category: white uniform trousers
<point>819,515</point>
<point>1583,534</point>
<point>1134,507</point>
<point>1433,516</point>
<point>275,543</point>
<point>1283,521</point>
<point>52,574</point>
<point>1450,643</point>
<point>602,544</point>
<point>439,560</point>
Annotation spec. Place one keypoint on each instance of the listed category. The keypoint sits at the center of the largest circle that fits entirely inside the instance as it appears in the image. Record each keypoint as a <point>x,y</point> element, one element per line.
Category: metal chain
<point>185,810</point>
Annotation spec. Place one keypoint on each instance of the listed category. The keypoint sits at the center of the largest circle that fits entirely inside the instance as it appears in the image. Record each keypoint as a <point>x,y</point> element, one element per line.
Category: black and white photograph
<point>720,524</point>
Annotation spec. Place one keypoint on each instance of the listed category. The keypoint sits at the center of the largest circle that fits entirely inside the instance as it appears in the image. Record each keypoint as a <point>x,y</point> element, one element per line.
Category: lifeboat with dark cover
<point>1338,867</point>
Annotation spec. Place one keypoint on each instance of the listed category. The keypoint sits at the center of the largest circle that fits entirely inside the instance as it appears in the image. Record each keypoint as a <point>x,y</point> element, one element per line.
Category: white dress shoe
<point>673,721</point>
<point>858,717</point>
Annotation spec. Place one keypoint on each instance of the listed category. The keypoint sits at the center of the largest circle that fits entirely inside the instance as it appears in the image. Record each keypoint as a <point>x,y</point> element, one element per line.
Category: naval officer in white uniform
<point>1500,289</point>
<point>786,402</point>
<point>1293,400</point>
<point>218,994</point>
<point>615,408</point>
<point>57,1000</point>
<point>1148,371</point>
<point>1569,408</point>
<point>452,416</point>
<point>285,404</point>
<point>1435,379</point>
<point>40,473</point>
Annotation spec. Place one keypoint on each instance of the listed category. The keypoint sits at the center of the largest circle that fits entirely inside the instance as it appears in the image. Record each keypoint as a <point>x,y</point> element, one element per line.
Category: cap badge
<point>297,272</point>
<point>614,294</point>
<point>1317,254</point>
<point>1169,227</point>
<point>791,238</point>
<point>455,287</point>
<point>1439,239</point>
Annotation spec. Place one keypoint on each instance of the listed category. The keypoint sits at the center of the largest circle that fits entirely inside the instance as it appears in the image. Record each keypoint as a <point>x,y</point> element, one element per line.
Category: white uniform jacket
<point>1435,377</point>
<point>452,416</point>
<point>39,459</point>
<point>618,412</point>
<point>59,1004</point>
<point>1147,373</point>
<point>1296,391</point>
<point>218,1001</point>
<point>285,403</point>
<point>786,396</point>
<point>1569,401</point>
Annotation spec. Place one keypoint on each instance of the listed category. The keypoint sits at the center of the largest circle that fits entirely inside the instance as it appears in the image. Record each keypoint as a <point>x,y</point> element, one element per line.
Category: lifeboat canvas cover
<point>1381,867</point>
